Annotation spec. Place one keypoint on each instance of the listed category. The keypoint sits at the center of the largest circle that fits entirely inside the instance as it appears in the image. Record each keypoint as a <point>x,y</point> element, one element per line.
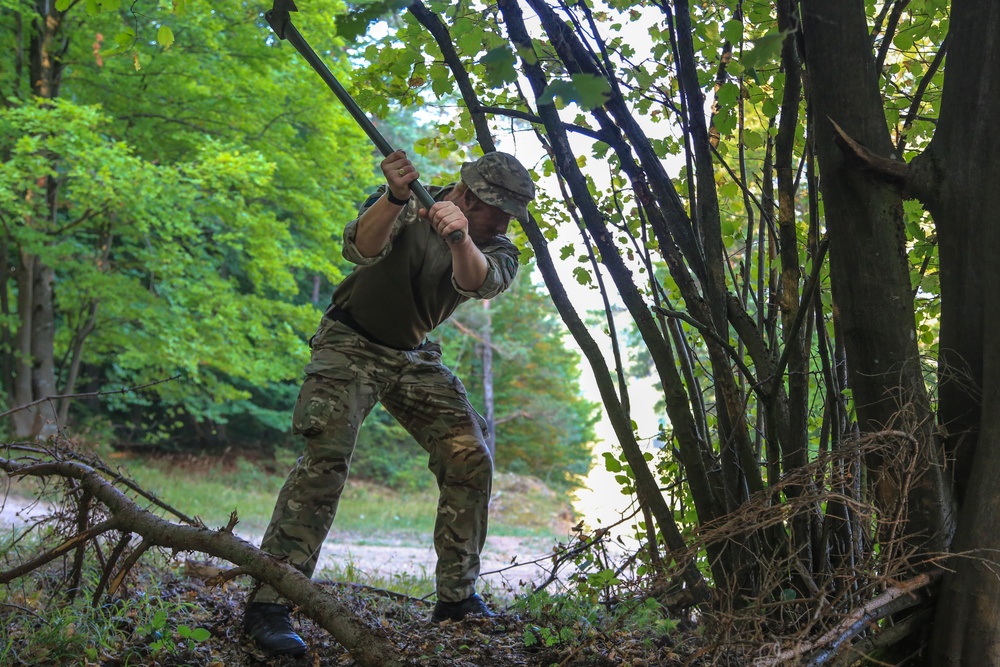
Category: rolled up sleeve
<point>501,268</point>
<point>350,250</point>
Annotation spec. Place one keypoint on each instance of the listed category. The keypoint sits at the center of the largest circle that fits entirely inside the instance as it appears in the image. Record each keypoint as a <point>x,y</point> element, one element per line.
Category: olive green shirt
<point>408,289</point>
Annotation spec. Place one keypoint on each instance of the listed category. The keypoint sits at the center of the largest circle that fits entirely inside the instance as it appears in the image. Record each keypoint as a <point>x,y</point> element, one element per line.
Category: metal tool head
<point>278,18</point>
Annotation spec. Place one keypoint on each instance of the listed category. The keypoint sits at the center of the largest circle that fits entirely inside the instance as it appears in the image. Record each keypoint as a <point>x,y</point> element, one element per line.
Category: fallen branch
<point>369,646</point>
<point>893,600</point>
<point>115,476</point>
<point>886,637</point>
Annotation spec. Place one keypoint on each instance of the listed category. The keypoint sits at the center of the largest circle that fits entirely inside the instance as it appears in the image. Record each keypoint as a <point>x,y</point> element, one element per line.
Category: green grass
<point>43,628</point>
<point>213,491</point>
<point>210,489</point>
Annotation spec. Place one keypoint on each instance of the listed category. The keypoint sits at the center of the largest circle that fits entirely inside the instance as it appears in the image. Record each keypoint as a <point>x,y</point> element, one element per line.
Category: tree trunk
<point>488,399</point>
<point>76,361</point>
<point>35,364</point>
<point>956,179</point>
<point>22,394</point>
<point>870,276</point>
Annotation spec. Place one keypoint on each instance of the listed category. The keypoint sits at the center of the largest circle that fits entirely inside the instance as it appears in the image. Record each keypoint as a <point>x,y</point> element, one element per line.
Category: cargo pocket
<point>314,406</point>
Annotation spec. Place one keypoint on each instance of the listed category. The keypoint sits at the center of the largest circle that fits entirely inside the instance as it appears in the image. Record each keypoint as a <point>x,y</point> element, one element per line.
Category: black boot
<point>270,626</point>
<point>456,611</point>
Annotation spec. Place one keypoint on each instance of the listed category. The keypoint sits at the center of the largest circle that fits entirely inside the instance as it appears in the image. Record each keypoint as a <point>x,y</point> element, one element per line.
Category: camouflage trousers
<point>345,378</point>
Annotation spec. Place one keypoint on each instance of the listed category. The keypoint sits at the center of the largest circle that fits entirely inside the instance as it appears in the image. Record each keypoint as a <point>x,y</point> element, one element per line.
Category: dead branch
<point>127,566</point>
<point>109,567</point>
<point>369,646</point>
<point>49,556</point>
<point>91,394</point>
<point>893,600</point>
<point>115,476</point>
<point>887,637</point>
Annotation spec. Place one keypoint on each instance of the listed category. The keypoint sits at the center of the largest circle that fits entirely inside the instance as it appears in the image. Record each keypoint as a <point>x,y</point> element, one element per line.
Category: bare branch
<point>92,394</point>
<point>895,599</point>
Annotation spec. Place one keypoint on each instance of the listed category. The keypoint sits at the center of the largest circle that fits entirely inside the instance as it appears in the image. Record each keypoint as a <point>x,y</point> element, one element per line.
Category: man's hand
<point>469,265</point>
<point>399,173</point>
<point>446,218</point>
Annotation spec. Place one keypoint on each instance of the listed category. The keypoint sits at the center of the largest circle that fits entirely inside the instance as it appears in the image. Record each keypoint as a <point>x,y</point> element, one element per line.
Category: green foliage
<point>43,628</point>
<point>198,209</point>
<point>160,635</point>
<point>568,619</point>
<point>360,15</point>
<point>544,427</point>
<point>587,90</point>
<point>499,63</point>
<point>145,245</point>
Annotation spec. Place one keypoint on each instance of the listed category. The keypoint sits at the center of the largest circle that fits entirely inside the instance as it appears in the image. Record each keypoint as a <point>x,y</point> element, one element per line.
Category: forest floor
<point>510,563</point>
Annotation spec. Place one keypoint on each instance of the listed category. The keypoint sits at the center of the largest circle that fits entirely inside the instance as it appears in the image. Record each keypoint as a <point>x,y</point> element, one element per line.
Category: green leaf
<point>903,40</point>
<point>470,40</point>
<point>765,49</point>
<point>587,90</point>
<point>527,55</point>
<point>200,634</point>
<point>727,95</point>
<point>62,5</point>
<point>499,64</point>
<point>165,36</point>
<point>733,31</point>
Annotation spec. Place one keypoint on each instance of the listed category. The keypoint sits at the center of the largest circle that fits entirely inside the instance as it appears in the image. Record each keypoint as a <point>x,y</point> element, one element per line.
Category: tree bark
<point>35,365</point>
<point>956,179</point>
<point>488,399</point>
<point>869,274</point>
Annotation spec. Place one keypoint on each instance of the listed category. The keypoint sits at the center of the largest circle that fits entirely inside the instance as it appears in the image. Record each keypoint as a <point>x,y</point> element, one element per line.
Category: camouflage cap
<point>500,180</point>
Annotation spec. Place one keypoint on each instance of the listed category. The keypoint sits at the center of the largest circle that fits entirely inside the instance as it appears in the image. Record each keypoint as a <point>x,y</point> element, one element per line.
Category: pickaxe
<point>281,23</point>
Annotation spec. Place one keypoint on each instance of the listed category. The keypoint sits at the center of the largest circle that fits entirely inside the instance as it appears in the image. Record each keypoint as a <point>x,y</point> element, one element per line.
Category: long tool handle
<point>289,32</point>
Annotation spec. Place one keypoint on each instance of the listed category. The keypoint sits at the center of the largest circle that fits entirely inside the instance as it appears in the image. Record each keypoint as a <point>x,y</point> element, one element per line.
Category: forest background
<point>812,293</point>
<point>192,231</point>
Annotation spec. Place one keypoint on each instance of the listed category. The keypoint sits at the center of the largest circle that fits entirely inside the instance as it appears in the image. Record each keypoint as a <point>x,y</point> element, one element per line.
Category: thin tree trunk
<point>488,399</point>
<point>76,361</point>
<point>35,364</point>
<point>24,278</point>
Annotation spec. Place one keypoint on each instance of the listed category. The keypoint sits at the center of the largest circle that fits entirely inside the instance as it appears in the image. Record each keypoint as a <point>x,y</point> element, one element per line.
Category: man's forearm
<point>375,226</point>
<point>469,265</point>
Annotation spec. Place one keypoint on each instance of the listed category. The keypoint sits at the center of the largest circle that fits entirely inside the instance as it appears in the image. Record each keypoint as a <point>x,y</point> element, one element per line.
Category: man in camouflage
<point>371,347</point>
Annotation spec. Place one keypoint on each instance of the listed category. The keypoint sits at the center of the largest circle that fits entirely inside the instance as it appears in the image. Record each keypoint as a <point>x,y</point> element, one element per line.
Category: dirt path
<point>507,561</point>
